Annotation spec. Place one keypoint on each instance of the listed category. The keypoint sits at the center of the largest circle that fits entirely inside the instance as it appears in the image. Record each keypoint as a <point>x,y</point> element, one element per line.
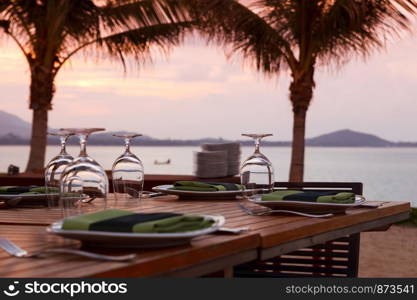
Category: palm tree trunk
<point>41,94</point>
<point>38,140</point>
<point>298,146</point>
<point>301,93</point>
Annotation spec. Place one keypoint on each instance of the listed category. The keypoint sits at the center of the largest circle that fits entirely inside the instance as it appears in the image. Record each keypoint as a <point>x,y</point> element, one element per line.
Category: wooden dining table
<point>213,254</point>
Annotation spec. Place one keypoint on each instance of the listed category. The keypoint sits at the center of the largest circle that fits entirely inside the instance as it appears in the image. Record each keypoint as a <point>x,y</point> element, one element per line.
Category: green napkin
<point>26,190</point>
<point>43,190</point>
<point>126,221</point>
<point>83,222</point>
<point>205,186</point>
<point>311,196</point>
<point>174,224</point>
<point>3,189</point>
<point>278,195</point>
<point>343,198</point>
<point>15,190</point>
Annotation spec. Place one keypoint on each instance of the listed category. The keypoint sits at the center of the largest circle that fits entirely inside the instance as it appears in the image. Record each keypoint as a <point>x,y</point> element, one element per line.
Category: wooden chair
<point>337,258</point>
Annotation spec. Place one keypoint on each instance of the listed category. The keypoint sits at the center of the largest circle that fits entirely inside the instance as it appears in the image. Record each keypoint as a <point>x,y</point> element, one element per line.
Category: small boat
<point>167,162</point>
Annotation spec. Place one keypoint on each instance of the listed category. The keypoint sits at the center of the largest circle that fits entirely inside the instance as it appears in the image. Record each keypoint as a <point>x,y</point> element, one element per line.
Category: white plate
<point>197,195</point>
<point>133,240</point>
<point>313,207</point>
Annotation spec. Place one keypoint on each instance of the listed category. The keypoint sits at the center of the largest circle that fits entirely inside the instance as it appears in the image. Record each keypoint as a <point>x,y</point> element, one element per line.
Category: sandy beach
<point>391,253</point>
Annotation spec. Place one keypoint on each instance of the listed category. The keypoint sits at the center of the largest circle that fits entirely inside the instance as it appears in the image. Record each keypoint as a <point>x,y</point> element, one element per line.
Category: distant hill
<point>11,124</point>
<point>15,131</point>
<point>348,138</point>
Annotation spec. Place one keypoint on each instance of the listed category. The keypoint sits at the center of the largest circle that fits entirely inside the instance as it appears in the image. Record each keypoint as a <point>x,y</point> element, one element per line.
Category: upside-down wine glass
<point>257,172</point>
<point>84,183</point>
<point>128,176</point>
<point>55,167</point>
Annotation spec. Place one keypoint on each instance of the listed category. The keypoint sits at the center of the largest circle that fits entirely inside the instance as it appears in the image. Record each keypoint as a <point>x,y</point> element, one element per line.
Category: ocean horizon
<point>388,174</point>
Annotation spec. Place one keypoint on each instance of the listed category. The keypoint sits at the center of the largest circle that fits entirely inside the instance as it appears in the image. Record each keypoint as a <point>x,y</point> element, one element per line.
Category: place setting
<point>265,197</point>
<point>304,203</point>
<point>200,190</point>
<point>27,196</point>
<point>214,161</point>
<point>309,203</point>
<point>115,229</point>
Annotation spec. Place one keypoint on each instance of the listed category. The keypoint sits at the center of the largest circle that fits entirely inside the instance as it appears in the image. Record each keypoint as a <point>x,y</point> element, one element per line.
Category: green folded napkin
<point>44,190</point>
<point>205,186</point>
<point>16,190</point>
<point>3,189</point>
<point>125,221</point>
<point>311,196</point>
<point>182,223</point>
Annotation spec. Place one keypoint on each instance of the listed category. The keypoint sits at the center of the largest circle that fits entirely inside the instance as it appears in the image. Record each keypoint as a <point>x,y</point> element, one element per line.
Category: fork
<point>16,251</point>
<point>267,211</point>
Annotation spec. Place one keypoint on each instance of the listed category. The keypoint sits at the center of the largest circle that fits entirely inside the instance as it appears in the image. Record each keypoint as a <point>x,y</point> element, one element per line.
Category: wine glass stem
<point>257,145</point>
<point>83,144</point>
<point>127,145</point>
<point>63,140</point>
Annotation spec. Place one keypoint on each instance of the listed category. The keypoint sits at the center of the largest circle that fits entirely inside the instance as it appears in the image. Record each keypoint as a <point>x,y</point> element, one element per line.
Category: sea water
<point>388,174</point>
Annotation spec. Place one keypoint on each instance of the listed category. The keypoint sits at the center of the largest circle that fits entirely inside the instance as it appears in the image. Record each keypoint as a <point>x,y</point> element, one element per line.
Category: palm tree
<point>51,32</point>
<point>299,36</point>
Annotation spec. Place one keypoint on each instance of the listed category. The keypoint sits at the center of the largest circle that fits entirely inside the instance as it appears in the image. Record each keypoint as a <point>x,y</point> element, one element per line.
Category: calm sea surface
<point>388,174</point>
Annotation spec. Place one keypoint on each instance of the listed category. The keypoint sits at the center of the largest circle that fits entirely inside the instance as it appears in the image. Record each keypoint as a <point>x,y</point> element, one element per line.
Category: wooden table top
<point>273,233</point>
<point>148,263</point>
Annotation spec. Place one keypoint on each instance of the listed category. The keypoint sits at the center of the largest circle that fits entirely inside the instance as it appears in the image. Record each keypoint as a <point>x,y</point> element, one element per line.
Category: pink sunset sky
<point>197,93</point>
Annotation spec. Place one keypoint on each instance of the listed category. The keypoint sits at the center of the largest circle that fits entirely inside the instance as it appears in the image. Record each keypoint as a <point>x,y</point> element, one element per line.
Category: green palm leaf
<point>230,23</point>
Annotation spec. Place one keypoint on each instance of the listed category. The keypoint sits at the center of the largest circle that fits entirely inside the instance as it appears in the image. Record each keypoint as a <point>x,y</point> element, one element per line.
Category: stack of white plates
<point>233,155</point>
<point>210,164</point>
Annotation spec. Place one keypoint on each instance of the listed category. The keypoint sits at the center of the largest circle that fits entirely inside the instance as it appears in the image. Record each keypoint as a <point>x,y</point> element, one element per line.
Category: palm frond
<point>51,31</point>
<point>130,28</point>
<point>137,43</point>
<point>15,12</point>
<point>142,13</point>
<point>358,27</point>
<point>228,22</point>
<point>297,33</point>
